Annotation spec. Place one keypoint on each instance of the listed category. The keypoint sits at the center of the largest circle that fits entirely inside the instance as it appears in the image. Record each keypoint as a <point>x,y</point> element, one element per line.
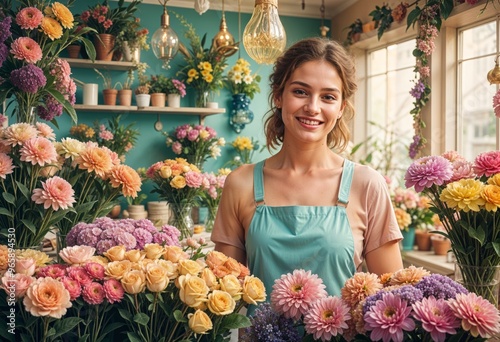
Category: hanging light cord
<point>322,10</point>
<point>239,27</point>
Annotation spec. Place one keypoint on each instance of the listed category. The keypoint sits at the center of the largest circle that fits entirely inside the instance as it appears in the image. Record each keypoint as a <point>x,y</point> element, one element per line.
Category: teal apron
<point>315,238</point>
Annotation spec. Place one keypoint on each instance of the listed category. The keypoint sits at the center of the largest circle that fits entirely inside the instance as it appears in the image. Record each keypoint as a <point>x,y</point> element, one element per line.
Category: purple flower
<point>72,235</point>
<point>126,239</point>
<point>51,109</point>
<point>408,293</point>
<point>28,78</point>
<point>193,134</point>
<point>104,245</point>
<point>428,171</point>
<point>5,29</point>
<point>418,90</point>
<point>439,286</point>
<point>414,146</point>
<point>142,237</point>
<point>86,238</point>
<point>4,52</point>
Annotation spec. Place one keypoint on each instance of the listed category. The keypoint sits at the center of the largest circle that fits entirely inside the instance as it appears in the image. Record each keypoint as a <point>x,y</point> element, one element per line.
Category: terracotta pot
<point>423,240</point>
<point>441,247</point>
<point>158,99</point>
<point>104,44</point>
<point>110,96</point>
<point>369,26</point>
<point>125,97</point>
<point>74,51</point>
<point>115,212</point>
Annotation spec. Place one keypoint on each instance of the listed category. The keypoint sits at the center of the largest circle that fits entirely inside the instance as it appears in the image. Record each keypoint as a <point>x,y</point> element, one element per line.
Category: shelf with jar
<point>108,65</point>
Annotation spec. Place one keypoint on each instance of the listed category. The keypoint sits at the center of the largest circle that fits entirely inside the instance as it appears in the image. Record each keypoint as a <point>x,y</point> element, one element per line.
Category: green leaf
<point>477,234</point>
<point>5,212</point>
<point>23,189</point>
<point>9,198</point>
<point>413,17</point>
<point>84,338</point>
<point>108,329</point>
<point>179,317</point>
<point>141,318</point>
<point>235,321</point>
<point>28,224</point>
<point>62,326</point>
<point>125,314</point>
<point>132,337</point>
<point>496,247</point>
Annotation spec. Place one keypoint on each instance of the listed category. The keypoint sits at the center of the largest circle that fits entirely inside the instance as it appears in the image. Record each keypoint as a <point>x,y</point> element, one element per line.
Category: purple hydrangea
<point>4,52</point>
<point>440,286</point>
<point>145,224</point>
<point>51,108</point>
<point>408,293</point>
<point>86,238</point>
<point>72,235</point>
<point>5,29</point>
<point>269,326</point>
<point>125,239</point>
<point>103,245</point>
<point>142,236</point>
<point>28,78</point>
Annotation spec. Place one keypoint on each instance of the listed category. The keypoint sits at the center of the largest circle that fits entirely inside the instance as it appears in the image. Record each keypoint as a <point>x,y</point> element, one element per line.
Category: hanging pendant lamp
<point>223,41</point>
<point>165,42</point>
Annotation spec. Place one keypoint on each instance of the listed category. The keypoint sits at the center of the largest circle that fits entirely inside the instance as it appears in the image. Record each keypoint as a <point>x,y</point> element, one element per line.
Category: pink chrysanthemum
<point>56,193</point>
<point>45,131</point>
<point>93,293</point>
<point>29,18</point>
<point>6,165</point>
<point>95,159</point>
<point>436,317</point>
<point>95,270</point>
<point>294,292</point>
<point>79,274</point>
<point>327,318</point>
<point>360,286</point>
<point>18,133</point>
<point>428,171</point>
<point>113,290</point>
<point>26,49</point>
<point>388,318</point>
<point>487,163</point>
<point>38,151</point>
<point>52,271</point>
<point>478,315</point>
<point>462,169</point>
<point>496,103</point>
<point>72,286</point>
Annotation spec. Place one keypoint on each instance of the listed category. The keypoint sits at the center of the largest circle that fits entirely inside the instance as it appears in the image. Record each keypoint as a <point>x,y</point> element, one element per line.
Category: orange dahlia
<point>127,178</point>
<point>52,28</point>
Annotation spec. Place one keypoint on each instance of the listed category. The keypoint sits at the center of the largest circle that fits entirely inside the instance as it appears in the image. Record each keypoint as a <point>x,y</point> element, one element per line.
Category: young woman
<point>307,207</point>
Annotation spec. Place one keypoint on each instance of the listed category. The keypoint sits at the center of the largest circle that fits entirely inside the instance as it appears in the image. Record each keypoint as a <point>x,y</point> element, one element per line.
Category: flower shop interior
<point>427,75</point>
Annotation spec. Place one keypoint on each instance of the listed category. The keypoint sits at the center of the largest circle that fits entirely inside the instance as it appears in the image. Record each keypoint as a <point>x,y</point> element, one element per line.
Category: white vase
<point>142,100</point>
<point>131,54</point>
<point>174,100</point>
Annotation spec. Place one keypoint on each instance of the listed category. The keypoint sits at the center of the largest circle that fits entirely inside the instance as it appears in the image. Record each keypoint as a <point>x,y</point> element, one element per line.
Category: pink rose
<point>47,297</point>
<point>25,266</point>
<point>177,147</point>
<point>20,283</point>
<point>194,179</point>
<point>487,163</point>
<point>77,255</point>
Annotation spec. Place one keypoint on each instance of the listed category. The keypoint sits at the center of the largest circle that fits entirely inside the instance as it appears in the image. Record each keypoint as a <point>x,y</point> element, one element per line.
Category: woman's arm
<point>385,259</point>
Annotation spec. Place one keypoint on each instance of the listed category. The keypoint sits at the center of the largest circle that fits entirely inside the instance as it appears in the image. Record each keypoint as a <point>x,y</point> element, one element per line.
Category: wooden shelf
<point>108,65</point>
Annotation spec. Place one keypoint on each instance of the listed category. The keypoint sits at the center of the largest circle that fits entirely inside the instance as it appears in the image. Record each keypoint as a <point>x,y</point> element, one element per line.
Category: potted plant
<point>355,30</point>
<point>132,40</point>
<point>109,90</point>
<point>175,90</point>
<point>142,96</point>
<point>158,90</point>
<point>125,93</point>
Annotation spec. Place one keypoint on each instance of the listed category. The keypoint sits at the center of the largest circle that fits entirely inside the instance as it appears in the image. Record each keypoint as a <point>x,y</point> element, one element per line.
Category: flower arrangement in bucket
<point>465,196</point>
<point>408,305</point>
<point>32,38</point>
<point>213,184</point>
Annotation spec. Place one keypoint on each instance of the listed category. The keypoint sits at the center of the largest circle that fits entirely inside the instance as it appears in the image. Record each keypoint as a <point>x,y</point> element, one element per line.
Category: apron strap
<point>345,182</point>
<point>258,183</point>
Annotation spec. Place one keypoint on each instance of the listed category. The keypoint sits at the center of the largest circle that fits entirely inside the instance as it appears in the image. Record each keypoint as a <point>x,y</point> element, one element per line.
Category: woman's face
<point>311,102</point>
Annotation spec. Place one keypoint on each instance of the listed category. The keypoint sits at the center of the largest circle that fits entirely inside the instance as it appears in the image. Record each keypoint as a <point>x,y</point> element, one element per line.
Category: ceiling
<point>285,7</point>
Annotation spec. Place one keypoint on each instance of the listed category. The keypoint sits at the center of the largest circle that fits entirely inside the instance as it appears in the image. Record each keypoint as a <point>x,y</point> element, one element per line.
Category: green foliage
<point>382,15</point>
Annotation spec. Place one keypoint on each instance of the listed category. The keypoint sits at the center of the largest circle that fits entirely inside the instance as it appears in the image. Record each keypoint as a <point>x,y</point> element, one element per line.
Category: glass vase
<point>26,114</point>
<point>241,114</point>
<point>201,99</point>
<point>180,217</point>
<point>482,280</point>
<point>210,220</point>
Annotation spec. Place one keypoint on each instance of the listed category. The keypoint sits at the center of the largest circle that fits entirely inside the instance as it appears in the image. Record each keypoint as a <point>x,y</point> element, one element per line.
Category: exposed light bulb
<point>264,37</point>
<point>165,42</point>
<point>494,74</point>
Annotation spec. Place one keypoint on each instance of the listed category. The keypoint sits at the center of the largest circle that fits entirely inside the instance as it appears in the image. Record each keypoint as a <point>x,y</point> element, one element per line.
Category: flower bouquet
<point>31,39</point>
<point>196,143</point>
<point>408,305</point>
<point>244,147</point>
<point>175,86</point>
<point>213,184</point>
<point>466,197</point>
<point>179,183</point>
<point>240,80</point>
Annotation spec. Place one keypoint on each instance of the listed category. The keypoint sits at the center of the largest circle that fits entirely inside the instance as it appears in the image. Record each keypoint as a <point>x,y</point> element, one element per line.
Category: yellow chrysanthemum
<point>491,194</point>
<point>242,143</point>
<point>63,14</point>
<point>403,218</point>
<point>206,66</point>
<point>205,73</point>
<point>464,194</point>
<point>51,28</point>
<point>192,73</point>
<point>237,69</point>
<point>209,78</point>
<point>494,180</point>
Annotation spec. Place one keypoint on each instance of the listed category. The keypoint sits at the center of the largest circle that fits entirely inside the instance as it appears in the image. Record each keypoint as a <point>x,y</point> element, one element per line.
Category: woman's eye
<point>329,97</point>
<point>299,92</point>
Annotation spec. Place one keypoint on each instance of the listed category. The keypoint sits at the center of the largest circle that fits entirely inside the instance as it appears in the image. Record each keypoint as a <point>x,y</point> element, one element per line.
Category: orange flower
<point>47,297</point>
<point>52,28</point>
<point>127,178</point>
<point>360,286</point>
<point>409,275</point>
<point>62,13</point>
<point>95,159</point>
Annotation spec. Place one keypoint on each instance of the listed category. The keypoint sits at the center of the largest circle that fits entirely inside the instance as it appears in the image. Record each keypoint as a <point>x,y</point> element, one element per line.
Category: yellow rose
<point>170,267</point>
<point>178,182</point>
<point>115,253</point>
<point>116,269</point>
<point>156,277</point>
<point>174,253</point>
<point>231,285</point>
<point>221,303</point>
<point>210,279</point>
<point>134,281</point>
<point>153,251</point>
<point>165,172</point>
<point>253,290</point>
<point>215,258</point>
<point>192,290</point>
<point>199,322</point>
<point>135,255</point>
<point>188,266</point>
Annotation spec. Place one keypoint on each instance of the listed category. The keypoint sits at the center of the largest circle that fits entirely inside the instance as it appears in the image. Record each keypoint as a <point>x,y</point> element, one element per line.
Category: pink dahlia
<point>428,171</point>
<point>194,179</point>
<point>126,178</point>
<point>360,286</point>
<point>79,274</point>
<point>6,165</point>
<point>93,293</point>
<point>436,317</point>
<point>487,163</point>
<point>478,315</point>
<point>53,271</point>
<point>26,49</point>
<point>72,286</point>
<point>18,134</point>
<point>327,318</point>
<point>38,151</point>
<point>45,131</point>
<point>388,318</point>
<point>56,193</point>
<point>113,290</point>
<point>294,293</point>
<point>95,270</point>
<point>29,18</point>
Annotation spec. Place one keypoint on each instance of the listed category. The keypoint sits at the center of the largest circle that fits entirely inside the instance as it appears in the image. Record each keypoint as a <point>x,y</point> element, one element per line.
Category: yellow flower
<point>156,277</point>
<point>253,290</point>
<point>494,180</point>
<point>192,74</point>
<point>403,218</point>
<point>464,194</point>
<point>165,172</point>
<point>51,28</point>
<point>209,78</point>
<point>491,194</point>
<point>62,13</point>
<point>41,258</point>
<point>199,322</point>
<point>178,182</point>
<point>243,143</point>
<point>193,290</point>
<point>221,303</point>
<point>205,66</point>
<point>134,281</point>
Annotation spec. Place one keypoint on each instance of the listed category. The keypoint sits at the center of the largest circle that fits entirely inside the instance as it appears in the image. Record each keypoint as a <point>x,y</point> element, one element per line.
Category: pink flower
<point>95,270</point>
<point>77,255</point>
<point>56,193</point>
<point>428,171</point>
<point>113,290</point>
<point>436,317</point>
<point>45,131</point>
<point>194,179</point>
<point>25,266</point>
<point>294,292</point>
<point>106,135</point>
<point>326,318</point>
<point>487,163</point>
<point>93,293</point>
<point>19,282</point>
<point>26,49</point>
<point>47,297</point>
<point>73,287</point>
<point>388,318</point>
<point>496,103</point>
<point>38,151</point>
<point>29,18</point>
<point>478,315</point>
<point>79,274</point>
<point>18,134</point>
<point>6,165</point>
<point>462,169</point>
<point>177,147</point>
<point>52,271</point>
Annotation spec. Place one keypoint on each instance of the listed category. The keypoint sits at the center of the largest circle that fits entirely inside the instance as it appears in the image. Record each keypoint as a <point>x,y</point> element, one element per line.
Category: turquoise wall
<point>151,144</point>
